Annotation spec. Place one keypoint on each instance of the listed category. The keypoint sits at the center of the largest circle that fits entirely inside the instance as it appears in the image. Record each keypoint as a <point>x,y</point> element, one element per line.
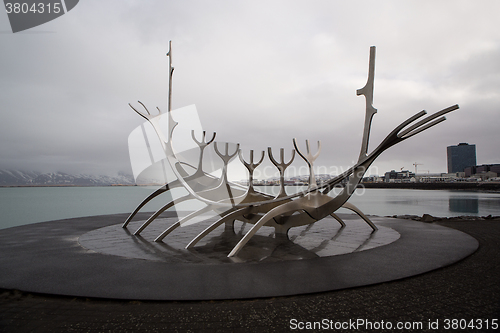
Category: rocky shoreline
<point>469,186</point>
<point>429,218</point>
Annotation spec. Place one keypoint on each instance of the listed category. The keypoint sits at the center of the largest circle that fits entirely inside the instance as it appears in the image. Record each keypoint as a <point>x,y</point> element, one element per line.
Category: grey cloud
<point>259,73</point>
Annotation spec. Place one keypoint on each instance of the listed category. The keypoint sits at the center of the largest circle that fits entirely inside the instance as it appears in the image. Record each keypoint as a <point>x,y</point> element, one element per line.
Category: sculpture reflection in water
<point>317,240</point>
<point>232,202</point>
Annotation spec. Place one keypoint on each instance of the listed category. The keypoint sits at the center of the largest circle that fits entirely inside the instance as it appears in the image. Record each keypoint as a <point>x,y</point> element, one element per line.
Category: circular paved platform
<point>95,257</point>
<point>322,239</point>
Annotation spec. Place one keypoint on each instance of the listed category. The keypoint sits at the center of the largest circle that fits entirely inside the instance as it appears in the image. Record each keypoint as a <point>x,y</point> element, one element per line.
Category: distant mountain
<point>20,178</point>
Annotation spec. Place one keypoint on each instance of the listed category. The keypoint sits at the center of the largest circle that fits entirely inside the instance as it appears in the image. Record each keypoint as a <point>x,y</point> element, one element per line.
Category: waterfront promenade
<point>469,289</point>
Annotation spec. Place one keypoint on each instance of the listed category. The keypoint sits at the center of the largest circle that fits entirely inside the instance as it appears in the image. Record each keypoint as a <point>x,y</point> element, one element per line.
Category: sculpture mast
<point>170,74</point>
<point>367,91</point>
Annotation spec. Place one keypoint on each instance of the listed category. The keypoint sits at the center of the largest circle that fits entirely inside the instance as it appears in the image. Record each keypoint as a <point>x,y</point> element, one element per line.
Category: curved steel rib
<point>161,210</point>
<point>281,209</point>
<point>182,221</point>
<point>150,197</point>
<point>355,209</point>
<point>335,216</point>
<point>226,218</point>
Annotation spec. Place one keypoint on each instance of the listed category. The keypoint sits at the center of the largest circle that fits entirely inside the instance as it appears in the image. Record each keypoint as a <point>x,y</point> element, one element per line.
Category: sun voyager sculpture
<point>231,201</point>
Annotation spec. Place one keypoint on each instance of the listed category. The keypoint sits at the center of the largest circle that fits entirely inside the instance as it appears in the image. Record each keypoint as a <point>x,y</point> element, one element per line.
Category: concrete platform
<point>95,257</point>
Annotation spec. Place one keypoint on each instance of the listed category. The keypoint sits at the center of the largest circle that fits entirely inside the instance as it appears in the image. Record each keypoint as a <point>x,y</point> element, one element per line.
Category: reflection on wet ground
<point>321,239</point>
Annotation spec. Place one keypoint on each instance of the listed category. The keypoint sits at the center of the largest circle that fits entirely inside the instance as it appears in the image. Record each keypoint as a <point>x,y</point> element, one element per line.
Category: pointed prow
<point>367,91</point>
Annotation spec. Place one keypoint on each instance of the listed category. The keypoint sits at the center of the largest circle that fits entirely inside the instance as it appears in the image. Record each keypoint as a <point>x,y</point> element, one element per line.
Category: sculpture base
<point>322,239</point>
<point>95,257</point>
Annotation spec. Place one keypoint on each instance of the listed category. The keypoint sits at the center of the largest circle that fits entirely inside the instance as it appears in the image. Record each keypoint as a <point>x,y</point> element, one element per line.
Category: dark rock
<point>427,218</point>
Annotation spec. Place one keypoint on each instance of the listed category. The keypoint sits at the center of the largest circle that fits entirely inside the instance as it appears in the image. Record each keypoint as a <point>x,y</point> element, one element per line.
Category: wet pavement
<point>321,239</point>
<point>466,290</point>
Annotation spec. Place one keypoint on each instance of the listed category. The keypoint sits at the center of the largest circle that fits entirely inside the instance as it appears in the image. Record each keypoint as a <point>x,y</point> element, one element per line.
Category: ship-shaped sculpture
<point>232,202</point>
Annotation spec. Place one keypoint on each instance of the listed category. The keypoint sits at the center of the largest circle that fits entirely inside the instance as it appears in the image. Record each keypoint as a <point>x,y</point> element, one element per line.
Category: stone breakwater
<point>430,218</point>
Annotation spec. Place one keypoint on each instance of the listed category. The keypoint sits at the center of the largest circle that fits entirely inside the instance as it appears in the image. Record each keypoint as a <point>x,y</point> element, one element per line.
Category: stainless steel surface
<point>233,202</point>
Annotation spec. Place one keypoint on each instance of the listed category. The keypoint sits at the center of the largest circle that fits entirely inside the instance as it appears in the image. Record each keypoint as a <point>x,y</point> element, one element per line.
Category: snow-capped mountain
<point>20,178</point>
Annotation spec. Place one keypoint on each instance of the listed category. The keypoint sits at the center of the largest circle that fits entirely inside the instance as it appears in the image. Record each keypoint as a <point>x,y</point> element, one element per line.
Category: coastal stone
<point>407,217</point>
<point>427,218</point>
<point>467,217</point>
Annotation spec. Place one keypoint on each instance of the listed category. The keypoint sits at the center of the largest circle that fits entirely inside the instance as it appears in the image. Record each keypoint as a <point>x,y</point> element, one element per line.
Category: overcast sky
<point>259,72</point>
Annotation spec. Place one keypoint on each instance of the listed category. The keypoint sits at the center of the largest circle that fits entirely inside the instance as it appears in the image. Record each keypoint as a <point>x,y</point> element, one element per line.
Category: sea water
<point>25,205</point>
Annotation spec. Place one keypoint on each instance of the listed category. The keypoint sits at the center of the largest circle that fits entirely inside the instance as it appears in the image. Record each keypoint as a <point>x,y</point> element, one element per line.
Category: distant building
<point>483,172</point>
<point>434,179</point>
<point>469,171</point>
<point>461,157</point>
<point>399,176</point>
<point>373,179</point>
<point>495,168</point>
<point>454,175</point>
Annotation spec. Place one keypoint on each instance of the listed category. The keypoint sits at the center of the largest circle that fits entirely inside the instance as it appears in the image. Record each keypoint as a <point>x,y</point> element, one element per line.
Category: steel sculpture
<point>233,202</point>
